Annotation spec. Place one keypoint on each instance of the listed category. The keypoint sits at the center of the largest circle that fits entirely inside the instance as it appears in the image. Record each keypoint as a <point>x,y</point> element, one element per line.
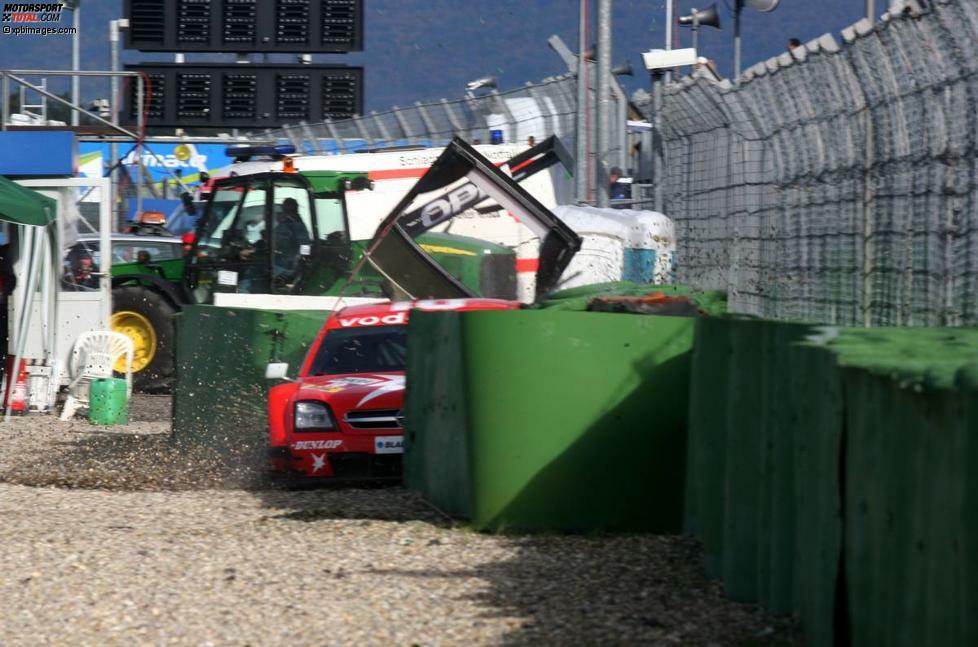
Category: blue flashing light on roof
<point>243,153</point>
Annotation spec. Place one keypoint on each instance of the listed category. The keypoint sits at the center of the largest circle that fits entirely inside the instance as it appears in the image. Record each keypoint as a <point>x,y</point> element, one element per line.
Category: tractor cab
<point>273,233</point>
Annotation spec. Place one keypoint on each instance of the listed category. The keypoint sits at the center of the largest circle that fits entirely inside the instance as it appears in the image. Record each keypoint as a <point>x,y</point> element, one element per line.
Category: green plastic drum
<point>108,402</point>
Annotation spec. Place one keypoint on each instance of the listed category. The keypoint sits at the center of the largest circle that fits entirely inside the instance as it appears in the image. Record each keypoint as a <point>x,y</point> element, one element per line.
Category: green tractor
<point>277,233</point>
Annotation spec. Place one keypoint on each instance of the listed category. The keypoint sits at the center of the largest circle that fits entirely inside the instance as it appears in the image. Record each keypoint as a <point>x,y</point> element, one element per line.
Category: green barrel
<point>108,402</point>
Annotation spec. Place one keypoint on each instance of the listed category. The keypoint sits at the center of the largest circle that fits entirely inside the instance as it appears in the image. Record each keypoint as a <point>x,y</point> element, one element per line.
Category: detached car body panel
<point>458,180</point>
<point>343,416</point>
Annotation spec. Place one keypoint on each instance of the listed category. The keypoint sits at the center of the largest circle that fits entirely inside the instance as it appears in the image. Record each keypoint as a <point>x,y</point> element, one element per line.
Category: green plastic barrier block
<point>220,395</point>
<point>537,420</point>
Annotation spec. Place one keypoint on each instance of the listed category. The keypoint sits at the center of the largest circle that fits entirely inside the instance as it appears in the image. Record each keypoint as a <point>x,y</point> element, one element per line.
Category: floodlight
<point>662,59</point>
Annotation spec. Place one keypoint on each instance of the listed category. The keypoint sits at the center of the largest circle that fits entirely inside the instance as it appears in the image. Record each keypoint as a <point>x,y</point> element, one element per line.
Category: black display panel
<point>300,26</point>
<point>245,95</point>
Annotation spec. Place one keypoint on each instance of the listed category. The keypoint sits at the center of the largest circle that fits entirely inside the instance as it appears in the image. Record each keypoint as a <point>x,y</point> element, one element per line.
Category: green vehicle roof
<point>455,245</point>
<point>330,181</point>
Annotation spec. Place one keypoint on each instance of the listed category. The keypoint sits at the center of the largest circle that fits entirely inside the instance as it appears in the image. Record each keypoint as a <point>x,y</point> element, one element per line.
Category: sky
<point>422,50</point>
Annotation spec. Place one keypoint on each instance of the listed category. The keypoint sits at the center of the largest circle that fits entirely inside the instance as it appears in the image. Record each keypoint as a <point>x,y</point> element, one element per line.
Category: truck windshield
<point>362,350</point>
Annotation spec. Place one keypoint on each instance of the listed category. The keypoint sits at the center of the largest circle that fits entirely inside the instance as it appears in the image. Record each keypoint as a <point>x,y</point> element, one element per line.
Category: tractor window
<point>300,196</point>
<point>329,218</point>
<point>224,209</point>
<point>233,247</point>
<point>128,252</point>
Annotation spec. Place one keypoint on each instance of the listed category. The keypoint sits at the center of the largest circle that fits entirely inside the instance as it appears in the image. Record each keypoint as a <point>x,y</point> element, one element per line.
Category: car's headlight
<point>312,416</point>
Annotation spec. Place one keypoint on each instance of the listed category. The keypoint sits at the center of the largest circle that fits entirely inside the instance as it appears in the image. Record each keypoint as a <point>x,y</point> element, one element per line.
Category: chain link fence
<point>837,183</point>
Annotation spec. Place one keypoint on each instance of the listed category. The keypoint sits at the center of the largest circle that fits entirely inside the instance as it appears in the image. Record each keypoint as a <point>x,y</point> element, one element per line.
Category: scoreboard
<point>261,26</point>
<point>245,95</point>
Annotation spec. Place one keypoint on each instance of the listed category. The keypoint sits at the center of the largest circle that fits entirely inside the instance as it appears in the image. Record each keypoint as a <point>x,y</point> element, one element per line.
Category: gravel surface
<point>117,538</point>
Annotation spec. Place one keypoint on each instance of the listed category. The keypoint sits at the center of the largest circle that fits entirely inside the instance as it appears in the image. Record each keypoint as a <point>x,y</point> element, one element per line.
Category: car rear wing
<point>460,179</point>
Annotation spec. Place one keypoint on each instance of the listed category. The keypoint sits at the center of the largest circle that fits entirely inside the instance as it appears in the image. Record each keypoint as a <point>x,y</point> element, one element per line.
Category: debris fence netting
<point>837,183</point>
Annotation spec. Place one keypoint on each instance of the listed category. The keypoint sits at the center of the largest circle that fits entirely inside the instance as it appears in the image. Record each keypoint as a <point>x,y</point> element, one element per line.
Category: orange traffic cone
<point>16,397</point>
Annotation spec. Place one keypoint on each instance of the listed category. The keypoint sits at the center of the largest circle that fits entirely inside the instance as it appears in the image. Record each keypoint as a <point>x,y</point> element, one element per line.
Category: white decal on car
<point>372,320</point>
<point>389,445</point>
<point>318,462</point>
<point>317,444</point>
<point>390,384</point>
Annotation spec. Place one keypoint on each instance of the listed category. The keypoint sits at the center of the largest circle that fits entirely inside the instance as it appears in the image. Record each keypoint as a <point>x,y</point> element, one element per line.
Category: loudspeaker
<point>709,17</point>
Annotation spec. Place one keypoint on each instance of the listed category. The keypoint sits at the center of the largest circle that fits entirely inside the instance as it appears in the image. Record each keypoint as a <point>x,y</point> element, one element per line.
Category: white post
<point>113,105</point>
<point>36,246</point>
<point>76,61</point>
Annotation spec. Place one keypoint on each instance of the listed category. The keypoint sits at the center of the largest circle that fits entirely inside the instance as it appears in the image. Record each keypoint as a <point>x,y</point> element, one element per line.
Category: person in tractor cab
<point>82,272</point>
<point>291,236</point>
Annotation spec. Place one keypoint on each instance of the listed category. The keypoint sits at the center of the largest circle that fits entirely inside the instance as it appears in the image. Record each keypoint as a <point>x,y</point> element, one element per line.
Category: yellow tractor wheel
<point>147,317</point>
<point>139,329</point>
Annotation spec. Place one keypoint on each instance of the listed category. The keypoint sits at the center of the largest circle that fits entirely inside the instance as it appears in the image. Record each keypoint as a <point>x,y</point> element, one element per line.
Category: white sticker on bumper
<point>389,445</point>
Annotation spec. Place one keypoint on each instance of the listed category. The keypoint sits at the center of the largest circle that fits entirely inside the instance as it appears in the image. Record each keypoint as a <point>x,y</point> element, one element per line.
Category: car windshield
<point>362,350</point>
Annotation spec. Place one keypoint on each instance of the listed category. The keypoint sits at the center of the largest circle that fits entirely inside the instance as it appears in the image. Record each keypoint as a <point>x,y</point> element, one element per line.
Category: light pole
<point>603,106</point>
<point>74,6</point>
<point>670,17</point>
<point>582,178</point>
<point>738,9</point>
<point>701,18</point>
<point>764,6</point>
<point>115,26</point>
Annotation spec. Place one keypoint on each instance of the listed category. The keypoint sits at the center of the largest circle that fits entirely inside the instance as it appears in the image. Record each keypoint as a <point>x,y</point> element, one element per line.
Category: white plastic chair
<point>94,357</point>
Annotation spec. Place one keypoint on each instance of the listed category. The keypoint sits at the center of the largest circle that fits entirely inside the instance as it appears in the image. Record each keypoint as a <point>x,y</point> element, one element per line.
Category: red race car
<point>343,415</point>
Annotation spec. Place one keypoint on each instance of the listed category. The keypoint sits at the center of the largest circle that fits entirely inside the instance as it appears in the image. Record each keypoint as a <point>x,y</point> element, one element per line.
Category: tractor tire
<point>146,317</point>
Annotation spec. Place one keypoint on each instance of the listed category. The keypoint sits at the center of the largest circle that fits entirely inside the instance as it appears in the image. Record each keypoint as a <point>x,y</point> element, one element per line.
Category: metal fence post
<point>603,103</point>
<point>581,174</point>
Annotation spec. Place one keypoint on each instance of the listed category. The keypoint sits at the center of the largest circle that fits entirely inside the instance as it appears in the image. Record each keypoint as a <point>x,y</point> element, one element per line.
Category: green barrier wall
<point>541,420</point>
<point>436,459</point>
<point>832,474</point>
<point>911,522</point>
<point>220,395</point>
<point>762,489</point>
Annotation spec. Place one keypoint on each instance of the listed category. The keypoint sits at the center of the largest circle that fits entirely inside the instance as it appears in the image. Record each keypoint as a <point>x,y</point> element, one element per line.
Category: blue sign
<point>161,161</point>
<point>51,153</point>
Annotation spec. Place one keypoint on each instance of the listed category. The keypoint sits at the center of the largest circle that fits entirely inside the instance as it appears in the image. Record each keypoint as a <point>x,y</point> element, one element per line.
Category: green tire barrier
<point>833,474</point>
<point>220,394</point>
<point>536,420</point>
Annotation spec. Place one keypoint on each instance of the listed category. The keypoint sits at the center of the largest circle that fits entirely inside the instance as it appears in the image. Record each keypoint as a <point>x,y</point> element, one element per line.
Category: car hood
<point>355,391</point>
<point>460,178</point>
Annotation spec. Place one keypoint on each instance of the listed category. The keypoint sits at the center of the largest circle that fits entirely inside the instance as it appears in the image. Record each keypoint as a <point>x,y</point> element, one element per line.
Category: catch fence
<point>837,183</point>
<point>535,110</point>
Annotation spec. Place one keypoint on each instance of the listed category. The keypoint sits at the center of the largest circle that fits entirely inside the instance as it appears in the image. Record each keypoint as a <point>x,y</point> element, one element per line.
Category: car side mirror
<point>277,371</point>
